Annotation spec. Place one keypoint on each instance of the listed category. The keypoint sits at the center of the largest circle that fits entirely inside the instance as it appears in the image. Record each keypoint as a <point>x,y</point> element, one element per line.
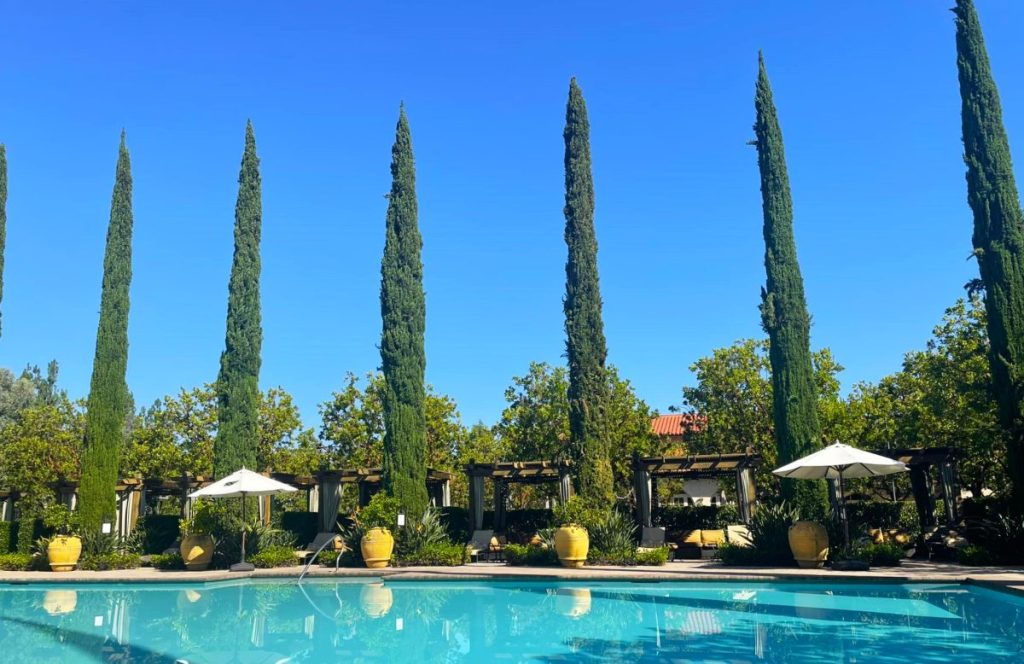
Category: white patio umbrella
<point>240,484</point>
<point>839,461</point>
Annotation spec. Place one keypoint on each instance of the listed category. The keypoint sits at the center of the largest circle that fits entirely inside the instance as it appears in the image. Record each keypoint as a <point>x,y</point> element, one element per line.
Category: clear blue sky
<point>866,91</point>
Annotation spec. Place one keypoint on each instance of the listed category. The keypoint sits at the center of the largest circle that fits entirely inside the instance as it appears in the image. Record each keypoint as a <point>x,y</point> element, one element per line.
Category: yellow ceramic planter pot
<point>572,543</point>
<point>63,553</point>
<point>197,552</point>
<point>808,541</point>
<point>376,546</point>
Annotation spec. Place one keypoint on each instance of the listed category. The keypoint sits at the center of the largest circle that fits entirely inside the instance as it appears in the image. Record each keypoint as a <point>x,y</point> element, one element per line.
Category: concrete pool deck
<point>911,571</point>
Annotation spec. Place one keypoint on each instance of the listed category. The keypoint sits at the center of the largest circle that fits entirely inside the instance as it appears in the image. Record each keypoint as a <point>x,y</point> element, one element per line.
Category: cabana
<point>504,473</point>
<point>920,461</point>
<point>323,490</point>
<point>648,471</point>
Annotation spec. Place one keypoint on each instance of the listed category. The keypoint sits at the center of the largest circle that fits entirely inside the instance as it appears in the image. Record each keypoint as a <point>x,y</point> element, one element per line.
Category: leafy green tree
<point>40,446</point>
<point>353,426</point>
<point>108,394</point>
<point>403,311</point>
<point>3,214</point>
<point>941,397</point>
<point>784,308</point>
<point>238,392</point>
<point>734,394</point>
<point>998,232</point>
<point>584,329</point>
<point>28,389</point>
<point>535,423</point>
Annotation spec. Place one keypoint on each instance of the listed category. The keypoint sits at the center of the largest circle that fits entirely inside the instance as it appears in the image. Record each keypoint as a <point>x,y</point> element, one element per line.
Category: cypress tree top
<point>108,403</point>
<point>784,307</point>
<point>403,314</point>
<point>998,231</point>
<point>585,345</point>
<point>238,381</point>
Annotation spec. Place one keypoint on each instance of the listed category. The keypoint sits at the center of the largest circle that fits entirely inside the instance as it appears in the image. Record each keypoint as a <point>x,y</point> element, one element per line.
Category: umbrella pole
<point>842,511</point>
<point>243,526</point>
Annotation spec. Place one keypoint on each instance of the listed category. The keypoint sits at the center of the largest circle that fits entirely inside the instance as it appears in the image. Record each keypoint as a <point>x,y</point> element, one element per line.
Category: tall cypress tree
<point>3,214</point>
<point>784,309</point>
<point>108,394</point>
<point>998,232</point>
<point>238,392</point>
<point>403,313</point>
<point>585,343</point>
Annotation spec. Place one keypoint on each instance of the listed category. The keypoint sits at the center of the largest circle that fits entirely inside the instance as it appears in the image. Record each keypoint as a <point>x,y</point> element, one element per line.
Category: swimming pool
<point>510,620</point>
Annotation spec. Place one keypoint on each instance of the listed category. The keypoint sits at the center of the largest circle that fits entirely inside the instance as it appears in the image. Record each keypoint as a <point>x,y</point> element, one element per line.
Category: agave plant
<point>615,533</point>
<point>429,529</point>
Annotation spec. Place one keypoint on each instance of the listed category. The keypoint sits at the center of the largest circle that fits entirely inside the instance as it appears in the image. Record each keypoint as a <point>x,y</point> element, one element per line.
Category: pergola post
<point>642,486</point>
<point>329,494</point>
<point>948,479</point>
<point>922,496</point>
<point>564,486</point>
<point>746,493</point>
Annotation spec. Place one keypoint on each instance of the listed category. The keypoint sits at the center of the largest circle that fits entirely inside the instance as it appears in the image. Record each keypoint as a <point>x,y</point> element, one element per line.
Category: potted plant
<point>197,541</point>
<point>572,540</point>
<point>375,520</point>
<point>808,540</point>
<point>65,547</point>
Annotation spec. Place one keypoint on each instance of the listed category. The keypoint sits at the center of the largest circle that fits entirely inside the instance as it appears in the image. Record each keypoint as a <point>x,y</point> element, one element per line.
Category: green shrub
<point>15,562</point>
<point>275,556</point>
<point>577,511</point>
<point>60,520</point>
<point>974,555</point>
<point>380,512</point>
<point>348,558</point>
<point>8,541</point>
<point>658,556</point>
<point>885,554</point>
<point>741,556</point>
<point>441,554</point>
<point>105,561</point>
<point>622,557</point>
<point>531,556</point>
<point>428,531</point>
<point>166,561</point>
<point>95,543</point>
<point>613,534</point>
<point>303,526</point>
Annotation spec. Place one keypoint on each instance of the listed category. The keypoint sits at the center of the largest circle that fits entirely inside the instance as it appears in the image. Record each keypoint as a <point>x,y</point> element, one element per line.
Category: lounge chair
<point>321,540</point>
<point>654,538</point>
<point>700,543</point>
<point>479,544</point>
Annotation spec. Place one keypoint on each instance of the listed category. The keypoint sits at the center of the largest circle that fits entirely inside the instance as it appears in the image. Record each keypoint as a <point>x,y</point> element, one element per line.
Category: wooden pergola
<point>504,473</point>
<point>920,461</point>
<point>647,471</point>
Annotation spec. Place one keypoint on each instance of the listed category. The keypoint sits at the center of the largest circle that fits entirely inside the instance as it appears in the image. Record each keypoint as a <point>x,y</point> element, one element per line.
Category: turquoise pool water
<point>508,621</point>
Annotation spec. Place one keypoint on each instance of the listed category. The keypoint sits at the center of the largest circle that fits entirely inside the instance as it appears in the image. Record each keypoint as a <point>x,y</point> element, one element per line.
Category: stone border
<point>695,571</point>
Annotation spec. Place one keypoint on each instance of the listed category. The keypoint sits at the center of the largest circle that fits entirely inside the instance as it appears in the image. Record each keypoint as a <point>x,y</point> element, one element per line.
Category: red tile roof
<point>676,424</point>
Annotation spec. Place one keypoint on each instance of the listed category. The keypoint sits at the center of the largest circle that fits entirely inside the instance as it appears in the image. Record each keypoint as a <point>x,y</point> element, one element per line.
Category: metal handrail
<point>312,559</point>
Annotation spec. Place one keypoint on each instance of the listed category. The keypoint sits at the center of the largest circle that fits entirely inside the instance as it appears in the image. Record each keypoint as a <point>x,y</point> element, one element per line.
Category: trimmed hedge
<point>275,556</point>
<point>678,518</point>
<point>440,554</point>
<point>8,538</point>
<point>160,532</point>
<point>302,525</point>
<point>27,531</point>
<point>15,562</point>
<point>107,561</point>
<point>167,561</point>
<point>519,555</point>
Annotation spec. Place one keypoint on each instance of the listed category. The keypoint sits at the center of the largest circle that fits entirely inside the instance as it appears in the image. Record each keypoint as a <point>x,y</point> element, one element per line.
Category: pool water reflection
<point>372,620</point>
